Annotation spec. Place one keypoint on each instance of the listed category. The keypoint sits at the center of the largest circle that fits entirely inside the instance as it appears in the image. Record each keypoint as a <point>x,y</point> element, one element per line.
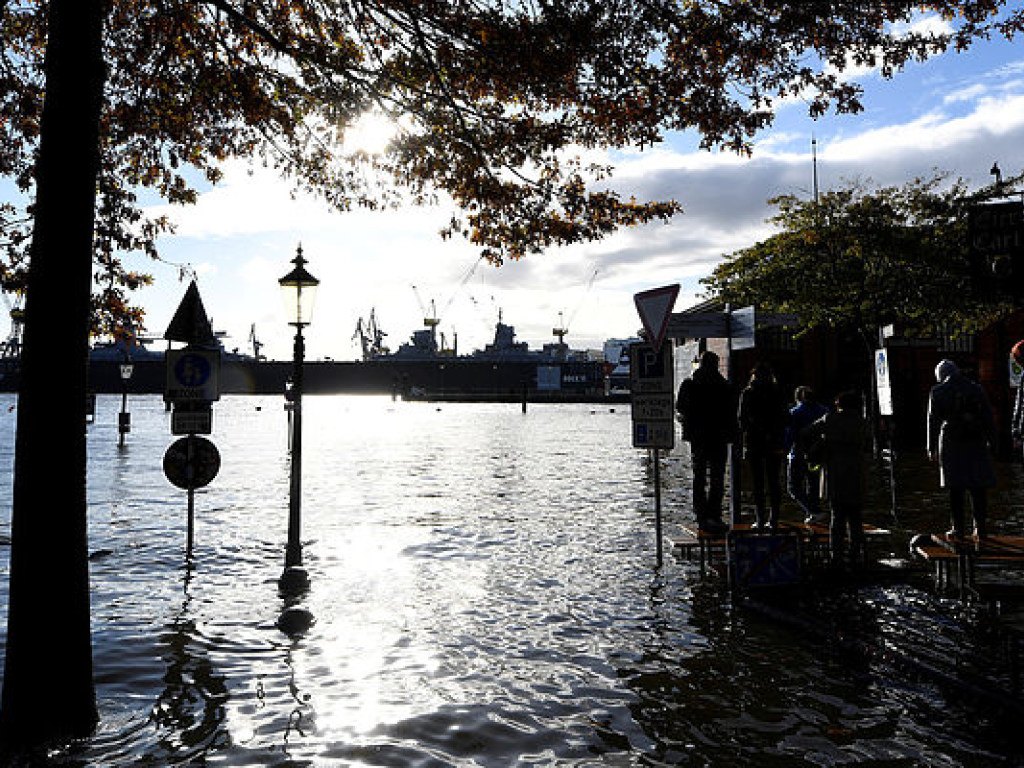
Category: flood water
<point>485,590</point>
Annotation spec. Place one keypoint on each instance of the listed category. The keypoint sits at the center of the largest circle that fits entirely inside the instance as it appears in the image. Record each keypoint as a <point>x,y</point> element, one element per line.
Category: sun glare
<point>370,133</point>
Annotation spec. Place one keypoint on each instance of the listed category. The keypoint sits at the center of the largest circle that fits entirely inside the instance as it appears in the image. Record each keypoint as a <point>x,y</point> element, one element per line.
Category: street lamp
<point>994,170</point>
<point>298,289</point>
<point>124,419</point>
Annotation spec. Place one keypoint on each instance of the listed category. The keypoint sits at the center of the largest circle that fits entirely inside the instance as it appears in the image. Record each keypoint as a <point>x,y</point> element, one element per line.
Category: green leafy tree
<point>857,259</point>
<point>496,103</point>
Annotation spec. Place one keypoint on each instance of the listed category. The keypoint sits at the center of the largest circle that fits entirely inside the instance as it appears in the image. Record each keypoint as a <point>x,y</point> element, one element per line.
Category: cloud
<point>969,93</point>
<point>248,227</point>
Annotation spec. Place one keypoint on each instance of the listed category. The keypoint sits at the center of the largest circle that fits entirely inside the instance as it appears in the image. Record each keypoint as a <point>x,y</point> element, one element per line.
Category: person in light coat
<point>1017,425</point>
<point>961,434</point>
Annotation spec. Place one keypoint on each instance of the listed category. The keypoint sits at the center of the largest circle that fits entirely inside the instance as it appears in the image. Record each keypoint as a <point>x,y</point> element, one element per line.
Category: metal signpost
<point>883,389</point>
<point>653,401</point>
<point>653,412</point>
<point>193,383</point>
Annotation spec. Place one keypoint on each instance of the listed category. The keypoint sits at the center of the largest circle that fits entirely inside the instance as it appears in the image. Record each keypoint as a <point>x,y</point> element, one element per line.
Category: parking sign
<point>653,402</point>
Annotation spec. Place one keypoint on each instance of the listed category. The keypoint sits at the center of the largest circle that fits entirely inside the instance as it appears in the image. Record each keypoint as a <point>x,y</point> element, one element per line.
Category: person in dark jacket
<point>961,433</point>
<point>840,439</point>
<point>763,417</point>
<point>803,481</point>
<point>706,404</point>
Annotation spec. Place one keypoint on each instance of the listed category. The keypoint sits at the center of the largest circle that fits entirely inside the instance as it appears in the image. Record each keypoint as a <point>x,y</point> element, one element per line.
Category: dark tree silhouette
<point>48,689</point>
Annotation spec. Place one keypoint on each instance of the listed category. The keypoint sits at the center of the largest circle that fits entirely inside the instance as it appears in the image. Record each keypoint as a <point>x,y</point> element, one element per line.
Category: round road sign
<point>191,462</point>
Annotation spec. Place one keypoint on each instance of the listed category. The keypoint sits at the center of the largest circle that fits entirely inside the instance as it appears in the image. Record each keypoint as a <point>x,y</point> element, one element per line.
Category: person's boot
<point>760,521</point>
<point>956,519</point>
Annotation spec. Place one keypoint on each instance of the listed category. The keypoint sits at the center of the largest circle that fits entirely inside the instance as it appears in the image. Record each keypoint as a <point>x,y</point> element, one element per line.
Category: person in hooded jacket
<point>961,433</point>
<point>1017,425</point>
<point>706,404</point>
<point>763,417</point>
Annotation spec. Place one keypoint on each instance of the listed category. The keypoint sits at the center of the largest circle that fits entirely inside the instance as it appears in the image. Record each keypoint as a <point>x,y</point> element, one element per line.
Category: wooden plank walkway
<point>956,562</point>
<point>708,547</point>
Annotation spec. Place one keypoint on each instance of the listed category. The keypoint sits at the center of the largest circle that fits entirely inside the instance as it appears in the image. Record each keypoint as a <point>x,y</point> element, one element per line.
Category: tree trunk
<point>48,691</point>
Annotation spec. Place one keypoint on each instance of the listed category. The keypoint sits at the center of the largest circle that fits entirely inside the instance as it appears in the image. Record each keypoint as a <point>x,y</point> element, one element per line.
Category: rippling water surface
<point>485,593</point>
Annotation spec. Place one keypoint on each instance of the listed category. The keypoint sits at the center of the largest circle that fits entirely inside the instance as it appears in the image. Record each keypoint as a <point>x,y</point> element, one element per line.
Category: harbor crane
<point>371,337</point>
<point>256,344</point>
<point>430,319</point>
<point>11,346</point>
<point>560,331</point>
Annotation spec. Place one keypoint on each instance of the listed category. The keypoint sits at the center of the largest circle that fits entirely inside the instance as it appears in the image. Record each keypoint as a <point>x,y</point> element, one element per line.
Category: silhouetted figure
<point>839,437</point>
<point>763,418</point>
<point>803,481</point>
<point>706,404</point>
<point>961,432</point>
<point>1017,425</point>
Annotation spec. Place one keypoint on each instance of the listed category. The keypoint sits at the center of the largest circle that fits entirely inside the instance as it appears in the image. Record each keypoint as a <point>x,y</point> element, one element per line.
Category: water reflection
<point>485,593</point>
<point>189,712</point>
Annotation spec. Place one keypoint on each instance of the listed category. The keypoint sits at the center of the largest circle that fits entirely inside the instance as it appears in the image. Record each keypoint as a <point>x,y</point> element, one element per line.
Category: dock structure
<point>709,548</point>
<point>987,576</point>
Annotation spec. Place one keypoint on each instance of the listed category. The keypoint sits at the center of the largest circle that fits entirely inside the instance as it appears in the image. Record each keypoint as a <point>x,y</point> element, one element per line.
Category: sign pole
<point>657,503</point>
<point>652,409</point>
<point>734,463</point>
<point>191,492</point>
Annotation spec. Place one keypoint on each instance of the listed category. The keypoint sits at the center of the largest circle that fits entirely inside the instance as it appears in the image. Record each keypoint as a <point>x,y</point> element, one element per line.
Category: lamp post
<point>999,177</point>
<point>298,290</point>
<point>124,419</point>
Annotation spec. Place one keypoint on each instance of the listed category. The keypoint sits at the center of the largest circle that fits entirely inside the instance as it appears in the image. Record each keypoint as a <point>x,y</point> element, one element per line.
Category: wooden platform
<point>708,547</point>
<point>957,561</point>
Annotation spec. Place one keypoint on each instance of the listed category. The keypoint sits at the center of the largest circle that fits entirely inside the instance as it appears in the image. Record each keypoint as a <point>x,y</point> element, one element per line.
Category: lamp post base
<point>294,581</point>
<point>295,621</point>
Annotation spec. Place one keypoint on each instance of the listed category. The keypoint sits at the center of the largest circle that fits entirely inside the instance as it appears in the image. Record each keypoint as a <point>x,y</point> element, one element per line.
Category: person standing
<point>1017,425</point>
<point>706,404</point>
<point>763,418</point>
<point>961,432</point>
<point>840,437</point>
<point>803,481</point>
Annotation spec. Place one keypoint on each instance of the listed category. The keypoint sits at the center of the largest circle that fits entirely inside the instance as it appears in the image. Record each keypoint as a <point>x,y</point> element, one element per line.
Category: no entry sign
<point>191,462</point>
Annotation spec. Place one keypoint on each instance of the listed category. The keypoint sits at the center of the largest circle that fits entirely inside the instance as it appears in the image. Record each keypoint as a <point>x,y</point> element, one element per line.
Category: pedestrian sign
<point>193,374</point>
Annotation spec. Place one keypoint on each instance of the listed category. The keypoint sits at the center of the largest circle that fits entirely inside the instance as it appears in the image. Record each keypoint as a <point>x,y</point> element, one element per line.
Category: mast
<point>814,167</point>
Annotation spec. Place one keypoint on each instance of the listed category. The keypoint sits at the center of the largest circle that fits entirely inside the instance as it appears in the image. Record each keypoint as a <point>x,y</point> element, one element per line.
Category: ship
<point>424,367</point>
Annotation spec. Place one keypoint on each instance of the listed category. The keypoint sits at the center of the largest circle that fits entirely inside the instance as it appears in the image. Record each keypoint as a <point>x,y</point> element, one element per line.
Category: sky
<point>956,112</point>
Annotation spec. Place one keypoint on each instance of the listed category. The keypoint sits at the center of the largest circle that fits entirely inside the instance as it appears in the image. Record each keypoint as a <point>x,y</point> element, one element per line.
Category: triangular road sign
<point>655,308</point>
<point>190,323</point>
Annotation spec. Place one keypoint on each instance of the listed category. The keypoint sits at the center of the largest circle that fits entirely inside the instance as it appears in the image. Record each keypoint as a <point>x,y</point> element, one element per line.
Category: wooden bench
<point>999,553</point>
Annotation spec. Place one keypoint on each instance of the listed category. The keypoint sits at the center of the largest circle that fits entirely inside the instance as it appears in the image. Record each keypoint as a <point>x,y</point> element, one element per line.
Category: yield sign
<point>655,308</point>
<point>190,323</point>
